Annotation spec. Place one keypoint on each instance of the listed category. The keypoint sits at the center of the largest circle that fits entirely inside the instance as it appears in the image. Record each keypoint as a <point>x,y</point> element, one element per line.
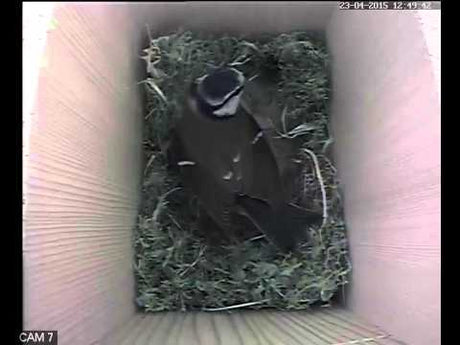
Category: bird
<point>226,155</point>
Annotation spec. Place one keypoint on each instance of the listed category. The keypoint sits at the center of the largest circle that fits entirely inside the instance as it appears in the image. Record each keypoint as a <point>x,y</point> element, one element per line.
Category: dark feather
<point>286,225</point>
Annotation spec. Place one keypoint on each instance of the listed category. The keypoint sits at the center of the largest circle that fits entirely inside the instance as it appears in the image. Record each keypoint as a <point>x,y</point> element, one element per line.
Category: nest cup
<point>177,268</point>
<point>82,172</point>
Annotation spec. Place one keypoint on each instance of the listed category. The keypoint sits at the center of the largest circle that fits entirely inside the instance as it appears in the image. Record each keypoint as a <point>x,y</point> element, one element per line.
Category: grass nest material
<point>175,268</point>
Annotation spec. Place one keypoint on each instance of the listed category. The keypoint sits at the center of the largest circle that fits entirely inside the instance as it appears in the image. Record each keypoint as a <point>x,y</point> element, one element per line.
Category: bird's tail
<point>284,224</point>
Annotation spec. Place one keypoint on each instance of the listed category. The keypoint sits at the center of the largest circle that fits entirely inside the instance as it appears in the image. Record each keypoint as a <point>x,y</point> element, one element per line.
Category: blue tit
<point>228,159</point>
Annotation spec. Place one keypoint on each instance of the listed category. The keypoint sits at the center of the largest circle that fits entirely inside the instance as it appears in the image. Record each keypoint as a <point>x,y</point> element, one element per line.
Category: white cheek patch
<point>240,76</point>
<point>229,108</point>
<point>200,79</point>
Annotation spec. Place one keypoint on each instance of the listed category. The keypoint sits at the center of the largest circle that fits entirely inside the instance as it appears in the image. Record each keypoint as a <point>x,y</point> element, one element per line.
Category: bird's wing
<point>259,104</point>
<point>214,193</point>
<point>215,148</point>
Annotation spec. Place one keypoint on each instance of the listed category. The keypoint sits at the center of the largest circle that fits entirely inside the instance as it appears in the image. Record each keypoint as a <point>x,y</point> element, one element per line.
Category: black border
<point>14,201</point>
<point>444,135</point>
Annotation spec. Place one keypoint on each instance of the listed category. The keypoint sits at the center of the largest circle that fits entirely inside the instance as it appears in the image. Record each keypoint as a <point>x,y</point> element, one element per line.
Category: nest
<point>175,268</point>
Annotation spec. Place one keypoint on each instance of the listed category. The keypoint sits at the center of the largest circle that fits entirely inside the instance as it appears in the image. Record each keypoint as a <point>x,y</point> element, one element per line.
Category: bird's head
<point>218,93</point>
